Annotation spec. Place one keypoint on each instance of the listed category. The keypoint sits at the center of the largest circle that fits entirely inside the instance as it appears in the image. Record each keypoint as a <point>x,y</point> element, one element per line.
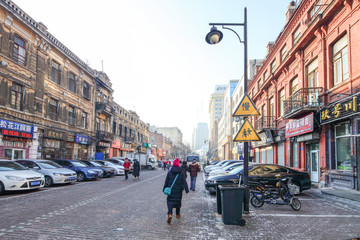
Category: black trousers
<point>126,174</point>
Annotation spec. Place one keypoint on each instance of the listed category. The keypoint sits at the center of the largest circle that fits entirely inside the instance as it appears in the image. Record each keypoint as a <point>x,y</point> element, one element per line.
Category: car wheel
<point>2,189</point>
<point>48,181</point>
<point>80,177</point>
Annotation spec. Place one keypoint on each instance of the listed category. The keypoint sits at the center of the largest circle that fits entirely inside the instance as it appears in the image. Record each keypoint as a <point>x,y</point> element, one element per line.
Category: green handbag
<point>167,191</point>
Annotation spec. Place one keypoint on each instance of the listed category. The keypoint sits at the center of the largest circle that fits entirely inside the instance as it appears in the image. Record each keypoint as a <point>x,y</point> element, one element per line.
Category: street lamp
<point>214,37</point>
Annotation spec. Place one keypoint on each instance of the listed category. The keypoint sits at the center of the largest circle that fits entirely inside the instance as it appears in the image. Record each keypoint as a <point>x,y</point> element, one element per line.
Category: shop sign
<point>9,125</point>
<point>13,144</point>
<point>82,139</point>
<point>103,144</point>
<point>160,152</point>
<point>116,144</point>
<point>300,126</point>
<point>16,134</point>
<point>145,145</point>
<point>142,150</point>
<point>269,137</point>
<point>125,146</point>
<point>164,152</point>
<point>339,110</point>
<point>262,142</point>
<point>55,134</point>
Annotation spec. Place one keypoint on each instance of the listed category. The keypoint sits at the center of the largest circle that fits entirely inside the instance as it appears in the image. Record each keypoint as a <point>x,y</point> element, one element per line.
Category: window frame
<point>86,90</point>
<point>283,53</point>
<point>17,56</point>
<point>296,35</point>
<point>281,102</point>
<point>17,91</point>
<point>55,73</point>
<point>72,80</point>
<point>340,58</point>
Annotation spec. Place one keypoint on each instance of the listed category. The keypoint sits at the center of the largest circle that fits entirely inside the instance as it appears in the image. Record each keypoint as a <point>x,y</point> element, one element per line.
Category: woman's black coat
<point>136,169</point>
<point>179,185</point>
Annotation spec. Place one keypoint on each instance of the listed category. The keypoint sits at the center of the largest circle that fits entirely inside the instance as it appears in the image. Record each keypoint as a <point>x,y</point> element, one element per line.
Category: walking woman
<point>174,199</point>
<point>126,168</point>
<point>136,169</point>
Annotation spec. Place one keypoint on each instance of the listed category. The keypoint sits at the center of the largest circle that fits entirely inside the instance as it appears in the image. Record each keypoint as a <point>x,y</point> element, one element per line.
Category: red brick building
<point>307,92</point>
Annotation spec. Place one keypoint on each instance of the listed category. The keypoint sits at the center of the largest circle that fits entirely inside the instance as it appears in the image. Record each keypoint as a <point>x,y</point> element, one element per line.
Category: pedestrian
<point>126,168</point>
<point>185,168</point>
<point>175,197</point>
<point>194,168</point>
<point>168,164</point>
<point>136,169</point>
<point>164,164</point>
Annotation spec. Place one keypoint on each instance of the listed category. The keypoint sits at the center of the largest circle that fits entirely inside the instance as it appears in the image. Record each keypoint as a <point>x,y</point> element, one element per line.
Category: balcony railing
<point>265,122</point>
<point>129,139</point>
<point>104,108</point>
<point>302,101</point>
<point>102,135</point>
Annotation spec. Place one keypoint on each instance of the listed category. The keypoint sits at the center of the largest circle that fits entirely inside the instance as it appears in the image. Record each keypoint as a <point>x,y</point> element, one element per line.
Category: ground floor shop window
<point>295,155</point>
<point>343,147</point>
<point>281,158</point>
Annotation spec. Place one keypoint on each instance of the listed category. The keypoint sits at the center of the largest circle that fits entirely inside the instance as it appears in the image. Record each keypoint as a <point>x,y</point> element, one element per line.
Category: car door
<point>255,174</point>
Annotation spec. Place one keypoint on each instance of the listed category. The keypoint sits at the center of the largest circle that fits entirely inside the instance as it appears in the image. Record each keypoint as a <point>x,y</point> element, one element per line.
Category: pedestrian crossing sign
<point>246,108</point>
<point>247,133</point>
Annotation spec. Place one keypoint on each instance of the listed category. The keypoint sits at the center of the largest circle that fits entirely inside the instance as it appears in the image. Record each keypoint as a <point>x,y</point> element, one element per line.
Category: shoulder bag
<point>167,191</point>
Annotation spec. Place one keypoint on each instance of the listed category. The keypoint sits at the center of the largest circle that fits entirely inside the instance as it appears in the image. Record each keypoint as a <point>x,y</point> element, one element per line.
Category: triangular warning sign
<point>246,108</point>
<point>247,133</point>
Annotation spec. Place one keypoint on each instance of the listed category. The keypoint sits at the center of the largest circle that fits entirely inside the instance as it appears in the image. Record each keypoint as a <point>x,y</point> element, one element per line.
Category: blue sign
<point>82,139</point>
<point>16,126</point>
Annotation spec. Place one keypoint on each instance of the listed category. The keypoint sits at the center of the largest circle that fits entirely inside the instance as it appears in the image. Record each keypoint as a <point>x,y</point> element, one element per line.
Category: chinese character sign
<point>345,108</point>
<point>9,125</point>
<point>300,126</point>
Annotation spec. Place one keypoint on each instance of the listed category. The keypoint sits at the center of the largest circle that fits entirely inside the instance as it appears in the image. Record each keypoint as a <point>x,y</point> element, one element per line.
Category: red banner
<point>300,126</point>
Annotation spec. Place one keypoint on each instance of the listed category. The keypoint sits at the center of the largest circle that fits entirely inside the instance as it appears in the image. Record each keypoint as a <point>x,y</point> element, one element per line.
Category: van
<point>191,158</point>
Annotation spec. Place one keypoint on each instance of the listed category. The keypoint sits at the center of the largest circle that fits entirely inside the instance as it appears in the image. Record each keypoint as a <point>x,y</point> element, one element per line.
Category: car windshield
<point>11,166</point>
<point>95,164</point>
<point>236,170</point>
<point>79,164</point>
<point>49,165</point>
<point>109,163</point>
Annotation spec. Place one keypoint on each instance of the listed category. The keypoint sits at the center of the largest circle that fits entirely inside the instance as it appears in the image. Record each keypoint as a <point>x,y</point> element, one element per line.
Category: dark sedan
<point>268,173</point>
<point>107,171</point>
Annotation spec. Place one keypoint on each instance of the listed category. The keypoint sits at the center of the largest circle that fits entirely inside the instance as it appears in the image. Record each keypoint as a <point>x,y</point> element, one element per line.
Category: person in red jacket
<point>126,168</point>
<point>194,168</point>
<point>168,164</point>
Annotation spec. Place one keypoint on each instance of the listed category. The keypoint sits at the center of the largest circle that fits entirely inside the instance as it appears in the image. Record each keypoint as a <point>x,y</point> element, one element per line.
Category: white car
<point>119,169</point>
<point>15,177</point>
<point>53,172</point>
<point>225,169</point>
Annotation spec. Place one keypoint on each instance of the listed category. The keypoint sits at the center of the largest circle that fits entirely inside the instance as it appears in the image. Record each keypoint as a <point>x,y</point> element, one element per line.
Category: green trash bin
<point>232,204</point>
<point>218,200</point>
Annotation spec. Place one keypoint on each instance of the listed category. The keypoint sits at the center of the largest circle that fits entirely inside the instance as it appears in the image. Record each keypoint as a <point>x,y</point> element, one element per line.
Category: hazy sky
<point>154,51</point>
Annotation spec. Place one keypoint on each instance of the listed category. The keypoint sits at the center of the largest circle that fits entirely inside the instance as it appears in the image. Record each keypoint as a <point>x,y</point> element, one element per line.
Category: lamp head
<point>214,36</point>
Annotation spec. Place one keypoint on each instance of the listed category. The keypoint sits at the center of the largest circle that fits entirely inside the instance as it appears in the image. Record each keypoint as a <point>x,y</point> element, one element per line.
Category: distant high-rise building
<point>173,133</point>
<point>201,134</point>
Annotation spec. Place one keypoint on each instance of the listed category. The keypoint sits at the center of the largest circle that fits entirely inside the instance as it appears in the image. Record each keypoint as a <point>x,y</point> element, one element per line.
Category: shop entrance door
<point>315,167</point>
<point>14,154</point>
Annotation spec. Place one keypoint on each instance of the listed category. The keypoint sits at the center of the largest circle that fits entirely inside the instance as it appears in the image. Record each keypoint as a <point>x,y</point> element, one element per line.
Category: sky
<point>154,51</point>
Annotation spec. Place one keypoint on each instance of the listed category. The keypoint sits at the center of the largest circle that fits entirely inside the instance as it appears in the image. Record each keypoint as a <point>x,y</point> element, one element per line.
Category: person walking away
<point>168,164</point>
<point>164,164</point>
<point>194,168</point>
<point>126,168</point>
<point>175,197</point>
<point>136,169</point>
<point>185,168</point>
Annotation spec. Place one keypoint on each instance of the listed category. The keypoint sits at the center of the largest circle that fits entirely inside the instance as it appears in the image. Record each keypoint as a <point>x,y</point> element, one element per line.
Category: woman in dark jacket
<point>174,199</point>
<point>185,168</point>
<point>136,169</point>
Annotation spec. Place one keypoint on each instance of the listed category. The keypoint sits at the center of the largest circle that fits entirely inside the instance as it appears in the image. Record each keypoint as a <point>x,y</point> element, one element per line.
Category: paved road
<point>117,209</point>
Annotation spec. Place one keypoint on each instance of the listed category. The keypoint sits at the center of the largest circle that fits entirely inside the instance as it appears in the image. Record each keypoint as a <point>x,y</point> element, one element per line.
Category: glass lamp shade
<point>214,36</point>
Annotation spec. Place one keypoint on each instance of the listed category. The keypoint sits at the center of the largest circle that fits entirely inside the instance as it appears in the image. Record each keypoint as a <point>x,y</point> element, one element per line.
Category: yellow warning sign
<point>247,133</point>
<point>246,108</point>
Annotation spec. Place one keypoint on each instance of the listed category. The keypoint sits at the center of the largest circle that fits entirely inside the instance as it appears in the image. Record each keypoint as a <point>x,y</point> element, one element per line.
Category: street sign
<point>246,108</point>
<point>247,133</point>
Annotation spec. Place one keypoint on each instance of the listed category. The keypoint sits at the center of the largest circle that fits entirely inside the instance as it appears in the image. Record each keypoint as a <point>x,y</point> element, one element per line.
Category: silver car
<point>53,172</point>
<point>119,169</point>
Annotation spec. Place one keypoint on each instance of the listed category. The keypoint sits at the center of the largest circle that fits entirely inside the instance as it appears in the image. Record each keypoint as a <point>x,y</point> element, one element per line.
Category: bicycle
<point>285,190</point>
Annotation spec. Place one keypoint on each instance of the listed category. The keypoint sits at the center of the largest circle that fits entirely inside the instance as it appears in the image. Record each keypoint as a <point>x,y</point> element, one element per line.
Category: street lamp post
<point>214,37</point>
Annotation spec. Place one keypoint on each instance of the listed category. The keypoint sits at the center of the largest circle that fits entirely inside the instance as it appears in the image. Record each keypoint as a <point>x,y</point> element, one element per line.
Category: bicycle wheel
<point>256,202</point>
<point>295,204</point>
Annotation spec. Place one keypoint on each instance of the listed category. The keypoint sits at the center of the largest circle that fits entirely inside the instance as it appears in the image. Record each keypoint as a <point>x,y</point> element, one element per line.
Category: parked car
<point>268,173</point>
<point>83,171</point>
<point>226,169</point>
<point>220,165</point>
<point>53,172</point>
<point>119,170</point>
<point>107,171</point>
<point>121,160</point>
<point>15,177</point>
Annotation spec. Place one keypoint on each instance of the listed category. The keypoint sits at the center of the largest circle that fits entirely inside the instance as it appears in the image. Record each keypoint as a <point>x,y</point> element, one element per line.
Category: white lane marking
<point>303,215</point>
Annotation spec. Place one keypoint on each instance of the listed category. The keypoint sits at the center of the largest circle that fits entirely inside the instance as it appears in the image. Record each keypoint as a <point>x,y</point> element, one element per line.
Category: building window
<point>265,75</point>
<point>55,72</point>
<point>283,53</point>
<point>97,124</point>
<point>72,82</point>
<point>84,120</point>
<point>53,109</point>
<point>19,50</point>
<point>273,66</point>
<point>71,115</point>
<point>294,86</point>
<point>271,107</point>
<point>86,90</point>
<point>104,125</point>
<point>16,96</point>
<point>120,130</point>
<point>281,102</point>
<point>343,147</point>
<point>259,84</point>
<point>314,9</point>
<point>340,60</point>
<point>296,35</point>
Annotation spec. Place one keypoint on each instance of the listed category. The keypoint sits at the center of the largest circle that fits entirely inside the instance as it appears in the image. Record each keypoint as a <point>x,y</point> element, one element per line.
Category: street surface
<point>117,209</point>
